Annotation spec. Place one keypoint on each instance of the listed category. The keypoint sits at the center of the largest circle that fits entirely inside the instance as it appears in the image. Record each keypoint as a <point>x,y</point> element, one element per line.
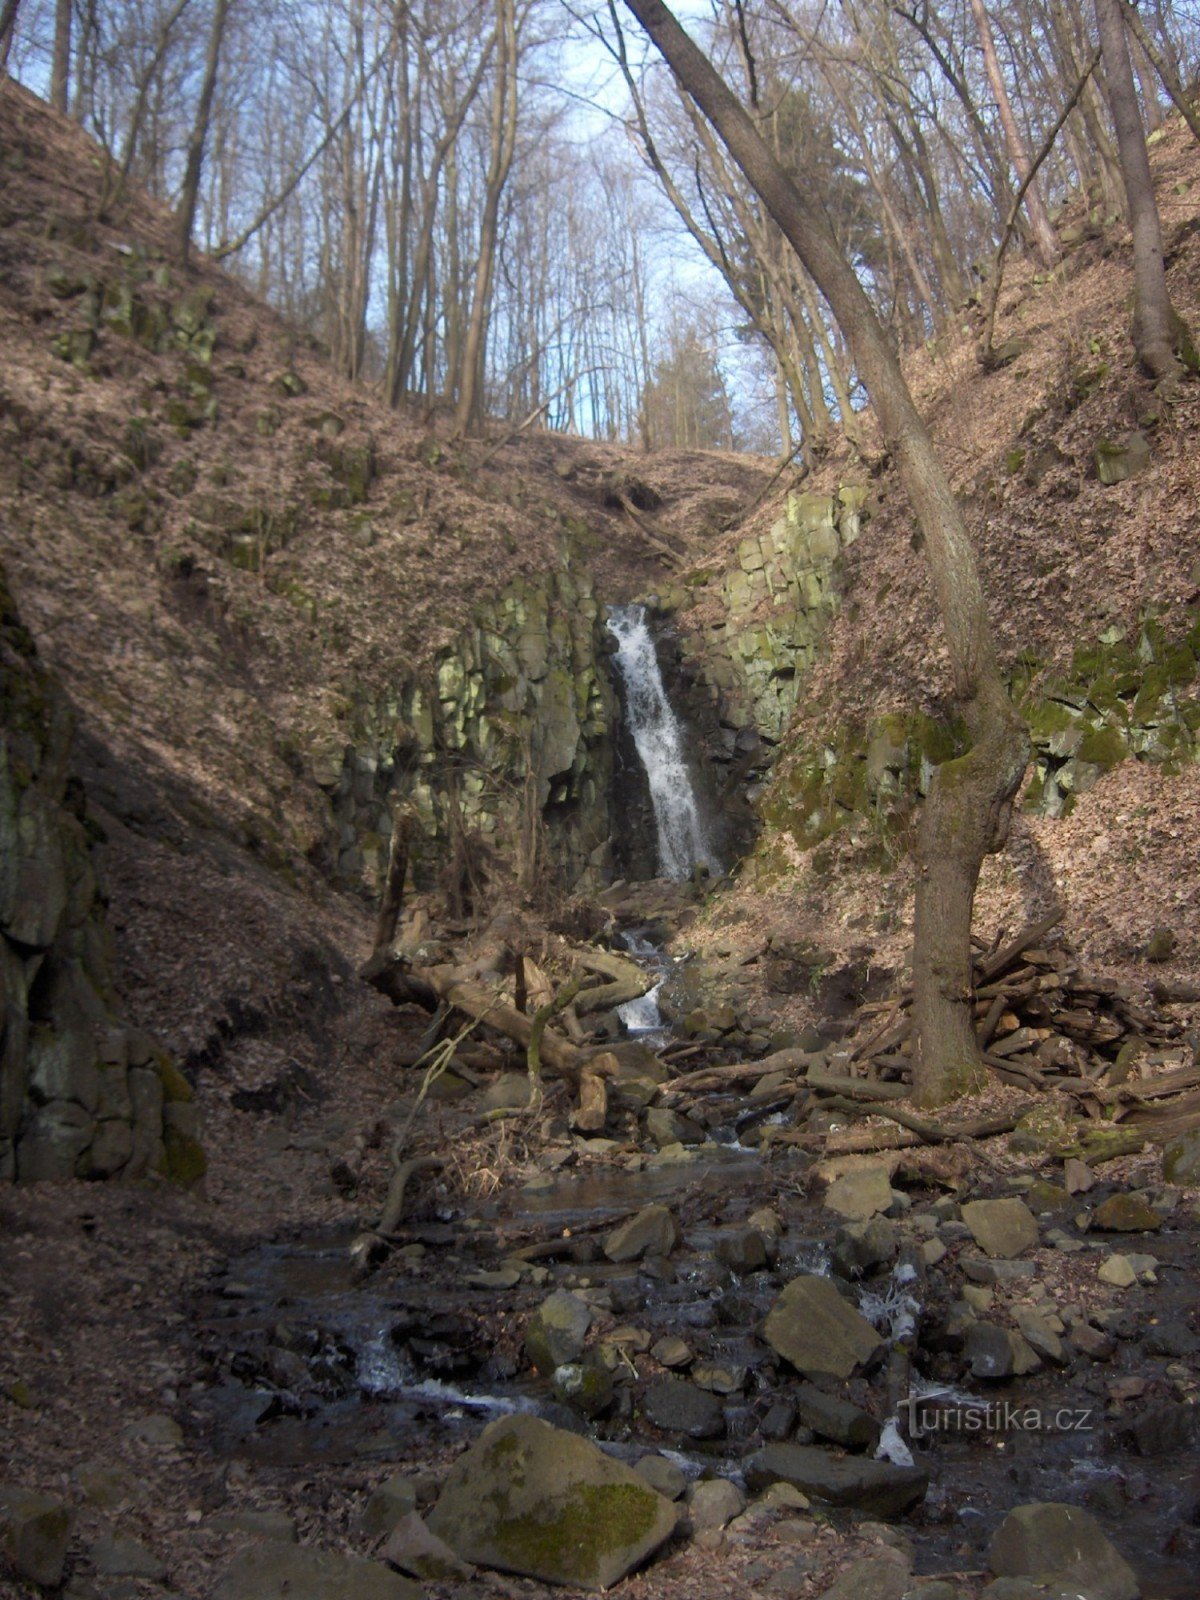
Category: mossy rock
<point>176,1089</point>
<point>1103,747</point>
<point>186,1162</point>
<point>289,383</point>
<point>75,346</point>
<point>267,423</point>
<point>191,313</point>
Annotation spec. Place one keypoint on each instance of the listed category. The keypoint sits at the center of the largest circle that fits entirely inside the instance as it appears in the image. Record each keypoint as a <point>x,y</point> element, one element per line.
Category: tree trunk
<point>190,192</point>
<point>8,28</point>
<point>1157,329</point>
<point>1039,218</point>
<point>60,62</point>
<point>967,812</point>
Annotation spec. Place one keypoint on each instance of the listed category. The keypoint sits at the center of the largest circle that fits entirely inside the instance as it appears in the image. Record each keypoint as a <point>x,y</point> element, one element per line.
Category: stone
<point>34,1532</point>
<point>1014,1589</point>
<point>811,1326</point>
<point>988,1350</point>
<point>861,1194</point>
<point>742,1250</point>
<point>295,1572</point>
<point>275,1525</point>
<point>663,1475</point>
<point>512,1091</point>
<point>1161,944</point>
<point>155,1429</point>
<point>107,1484</point>
<point>1175,1340</point>
<point>860,1246</point>
<point>1078,1177</point>
<point>1061,1545</point>
<point>557,1331</point>
<point>416,1550</point>
<point>116,1555</point>
<point>832,1418</point>
<point>677,1406</point>
<point>671,1351</point>
<point>718,1379</point>
<point>1181,1159</point>
<point>1041,1333</point>
<point>1090,1342</point>
<point>937,1589</point>
<point>588,1386</point>
<point>1001,1228</point>
<point>653,1231</point>
<point>669,1127</point>
<point>1117,1271</point>
<point>714,1503</point>
<point>389,1503</point>
<point>882,1577</point>
<point>531,1499</point>
<point>980,1270</point>
<point>877,1487</point>
<point>1121,458</point>
<point>1164,1430</point>
<point>1126,1213</point>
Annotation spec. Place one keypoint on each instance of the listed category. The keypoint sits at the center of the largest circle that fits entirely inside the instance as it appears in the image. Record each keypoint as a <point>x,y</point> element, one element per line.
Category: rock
<point>831,1418</point>
<point>34,1531</point>
<point>557,1331</point>
<point>1001,1228</point>
<point>512,1091</point>
<point>1165,1430</point>
<point>779,1420</point>
<point>276,1525</point>
<point>1161,944</point>
<point>676,1406</point>
<point>811,1326</point>
<point>980,1270</point>
<point>714,1503</point>
<point>295,1572</point>
<point>1181,1159</point>
<point>1090,1342</point>
<point>742,1250</point>
<point>1174,1340</point>
<point>1121,458</point>
<point>881,1577</point>
<point>389,1503</point>
<point>663,1475</point>
<point>938,1589</point>
<point>860,1246</point>
<point>653,1231</point>
<point>1014,1589</point>
<point>878,1487</point>
<point>1117,1271</point>
<point>668,1127</point>
<point>1078,1177</point>
<point>1041,1333</point>
<point>116,1555</point>
<point>413,1548</point>
<point>1061,1545</point>
<point>988,1350</point>
<point>107,1484</point>
<point>672,1352</point>
<point>531,1499</point>
<point>717,1379</point>
<point>1126,1213</point>
<point>585,1385</point>
<point>861,1194</point>
<point>156,1429</point>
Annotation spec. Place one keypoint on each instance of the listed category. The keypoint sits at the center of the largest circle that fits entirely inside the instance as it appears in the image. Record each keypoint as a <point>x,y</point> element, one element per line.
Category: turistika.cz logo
<point>927,1415</point>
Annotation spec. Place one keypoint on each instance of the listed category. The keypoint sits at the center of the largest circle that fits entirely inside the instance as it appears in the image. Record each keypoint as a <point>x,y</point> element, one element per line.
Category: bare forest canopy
<point>505,210</point>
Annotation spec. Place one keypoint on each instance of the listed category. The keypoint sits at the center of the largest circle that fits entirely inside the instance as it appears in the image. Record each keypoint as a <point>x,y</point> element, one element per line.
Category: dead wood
<point>393,883</point>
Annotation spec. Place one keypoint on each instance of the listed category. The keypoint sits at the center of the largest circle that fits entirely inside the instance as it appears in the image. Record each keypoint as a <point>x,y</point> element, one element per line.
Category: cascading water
<point>682,840</point>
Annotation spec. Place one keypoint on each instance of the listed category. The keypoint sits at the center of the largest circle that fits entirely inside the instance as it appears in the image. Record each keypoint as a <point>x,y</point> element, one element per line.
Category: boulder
<point>294,1572</point>
<point>676,1406</point>
<point>662,1475</point>
<point>1181,1159</point>
<point>877,1487</point>
<point>531,1499</point>
<point>1001,1228</point>
<point>1126,1213</point>
<point>413,1548</point>
<point>742,1250</point>
<point>881,1577</point>
<point>388,1505</point>
<point>831,1418</point>
<point>811,1326</point>
<point>669,1127</point>
<point>34,1531</point>
<point>860,1194</point>
<point>1061,1545</point>
<point>557,1331</point>
<point>652,1232</point>
<point>859,1246</point>
<point>714,1503</point>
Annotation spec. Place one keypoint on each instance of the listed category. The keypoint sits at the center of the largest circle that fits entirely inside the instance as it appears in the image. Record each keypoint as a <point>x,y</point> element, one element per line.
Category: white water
<point>682,841</point>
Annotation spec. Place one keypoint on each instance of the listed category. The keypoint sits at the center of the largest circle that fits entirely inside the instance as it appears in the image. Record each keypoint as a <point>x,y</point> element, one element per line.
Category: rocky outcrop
<point>82,1094</point>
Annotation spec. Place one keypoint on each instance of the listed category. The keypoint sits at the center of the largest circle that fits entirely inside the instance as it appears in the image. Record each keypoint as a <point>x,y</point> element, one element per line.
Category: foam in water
<point>682,841</point>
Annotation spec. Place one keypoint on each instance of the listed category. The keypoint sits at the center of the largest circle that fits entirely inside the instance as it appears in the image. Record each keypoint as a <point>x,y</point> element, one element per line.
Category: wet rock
<point>1126,1213</point>
<point>420,1553</point>
<point>717,1379</point>
<point>1174,1340</point>
<point>557,1331</point>
<point>1181,1159</point>
<point>832,1418</point>
<point>672,1352</point>
<point>861,1246</point>
<point>294,1572</point>
<point>861,1194</point>
<point>988,1350</point>
<point>878,1487</point>
<point>669,1127</point>
<point>1001,1228</point>
<point>714,1504</point>
<point>1064,1546</point>
<point>779,1420</point>
<point>1090,1342</point>
<point>653,1231</point>
<point>116,1555</point>
<point>531,1499</point>
<point>676,1406</point>
<point>34,1532</point>
<point>586,1386</point>
<point>811,1326</point>
<point>662,1475</point>
<point>743,1250</point>
<point>1165,1430</point>
<point>881,1577</point>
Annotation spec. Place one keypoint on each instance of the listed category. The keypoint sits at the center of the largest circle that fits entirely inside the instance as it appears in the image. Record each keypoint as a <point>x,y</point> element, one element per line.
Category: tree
<point>968,809</point>
<point>190,193</point>
<point>1158,330</point>
<point>60,62</point>
<point>686,404</point>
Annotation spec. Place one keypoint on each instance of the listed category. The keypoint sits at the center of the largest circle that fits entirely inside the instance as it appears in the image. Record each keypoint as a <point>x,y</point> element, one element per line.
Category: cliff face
<point>82,1093</point>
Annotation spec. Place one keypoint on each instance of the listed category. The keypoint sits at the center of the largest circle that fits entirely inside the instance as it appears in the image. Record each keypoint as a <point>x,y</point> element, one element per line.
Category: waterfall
<point>682,840</point>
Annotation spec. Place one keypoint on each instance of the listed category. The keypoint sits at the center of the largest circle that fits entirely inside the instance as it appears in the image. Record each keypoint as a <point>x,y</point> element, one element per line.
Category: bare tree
<point>1158,331</point>
<point>190,192</point>
<point>967,812</point>
<point>60,63</point>
<point>8,27</point>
